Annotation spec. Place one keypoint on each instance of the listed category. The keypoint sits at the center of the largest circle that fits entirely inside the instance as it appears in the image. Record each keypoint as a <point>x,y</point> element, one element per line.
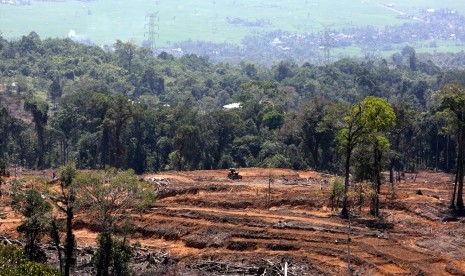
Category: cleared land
<point>210,225</point>
<point>104,21</point>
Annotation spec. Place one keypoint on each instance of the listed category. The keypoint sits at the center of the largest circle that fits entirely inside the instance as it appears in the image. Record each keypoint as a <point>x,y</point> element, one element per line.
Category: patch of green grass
<point>347,51</point>
<point>451,46</point>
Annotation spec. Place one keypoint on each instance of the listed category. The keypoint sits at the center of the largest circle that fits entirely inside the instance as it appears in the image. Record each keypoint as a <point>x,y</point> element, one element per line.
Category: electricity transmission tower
<point>326,44</point>
<point>153,29</point>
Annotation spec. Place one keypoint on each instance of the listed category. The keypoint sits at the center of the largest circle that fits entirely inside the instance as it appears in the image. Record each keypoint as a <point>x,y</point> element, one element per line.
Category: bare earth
<point>210,225</point>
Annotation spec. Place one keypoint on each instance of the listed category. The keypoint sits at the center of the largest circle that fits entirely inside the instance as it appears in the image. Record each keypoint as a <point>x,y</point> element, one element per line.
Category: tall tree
<point>378,118</point>
<point>117,117</point>
<point>349,137</point>
<point>452,111</point>
<point>65,202</point>
<point>39,111</point>
<point>108,197</point>
<point>126,52</point>
<point>364,120</point>
<point>187,145</point>
<point>399,139</point>
<point>55,91</point>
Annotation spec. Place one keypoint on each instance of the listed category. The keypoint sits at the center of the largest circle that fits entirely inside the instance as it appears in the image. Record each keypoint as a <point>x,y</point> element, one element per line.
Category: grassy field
<point>104,21</point>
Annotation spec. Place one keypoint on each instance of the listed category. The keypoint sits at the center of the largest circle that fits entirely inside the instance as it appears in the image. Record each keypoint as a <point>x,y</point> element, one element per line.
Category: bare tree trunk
<point>360,198</point>
<point>374,208</point>
<point>459,174</point>
<point>269,193</point>
<point>103,261</point>
<point>447,153</point>
<point>349,271</point>
<point>345,209</point>
<point>55,236</point>
<point>70,241</point>
<point>60,259</point>
<point>452,203</point>
<point>437,153</point>
<point>391,171</point>
<point>460,177</point>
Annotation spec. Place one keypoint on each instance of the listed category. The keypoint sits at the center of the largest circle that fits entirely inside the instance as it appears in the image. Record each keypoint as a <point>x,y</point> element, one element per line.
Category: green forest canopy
<point>62,101</point>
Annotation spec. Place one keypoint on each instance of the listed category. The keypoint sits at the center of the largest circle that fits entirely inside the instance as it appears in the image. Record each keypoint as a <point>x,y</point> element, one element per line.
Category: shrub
<point>13,262</point>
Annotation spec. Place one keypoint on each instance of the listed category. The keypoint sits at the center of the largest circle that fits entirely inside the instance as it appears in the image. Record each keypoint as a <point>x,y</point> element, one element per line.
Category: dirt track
<point>211,225</point>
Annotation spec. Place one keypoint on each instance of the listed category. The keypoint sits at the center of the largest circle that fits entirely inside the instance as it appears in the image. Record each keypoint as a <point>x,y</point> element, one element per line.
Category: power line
<point>153,29</point>
<point>327,44</point>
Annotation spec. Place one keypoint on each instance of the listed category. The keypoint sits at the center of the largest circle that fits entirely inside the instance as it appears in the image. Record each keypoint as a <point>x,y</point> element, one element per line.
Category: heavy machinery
<point>233,174</point>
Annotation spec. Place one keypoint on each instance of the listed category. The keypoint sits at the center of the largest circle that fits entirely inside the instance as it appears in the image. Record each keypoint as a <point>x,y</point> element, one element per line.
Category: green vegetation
<point>337,192</point>
<point>13,262</point>
<point>36,211</point>
<point>452,111</point>
<point>125,112</point>
<point>65,202</point>
<point>104,21</point>
<point>130,110</point>
<point>365,125</point>
<point>107,198</point>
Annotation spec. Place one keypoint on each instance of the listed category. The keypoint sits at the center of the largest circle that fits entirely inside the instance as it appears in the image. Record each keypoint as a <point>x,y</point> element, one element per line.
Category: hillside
<point>126,108</point>
<point>174,125</point>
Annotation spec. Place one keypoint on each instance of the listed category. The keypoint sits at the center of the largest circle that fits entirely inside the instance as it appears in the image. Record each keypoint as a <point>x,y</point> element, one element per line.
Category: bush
<point>36,212</point>
<point>277,161</point>
<point>226,161</point>
<point>13,262</point>
<point>337,193</point>
<point>112,254</point>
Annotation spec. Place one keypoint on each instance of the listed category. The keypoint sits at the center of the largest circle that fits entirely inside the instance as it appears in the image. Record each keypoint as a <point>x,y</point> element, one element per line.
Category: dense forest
<point>122,107</point>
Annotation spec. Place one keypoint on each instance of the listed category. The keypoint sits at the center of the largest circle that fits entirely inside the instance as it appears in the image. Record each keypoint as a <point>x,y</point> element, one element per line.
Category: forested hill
<point>122,107</point>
